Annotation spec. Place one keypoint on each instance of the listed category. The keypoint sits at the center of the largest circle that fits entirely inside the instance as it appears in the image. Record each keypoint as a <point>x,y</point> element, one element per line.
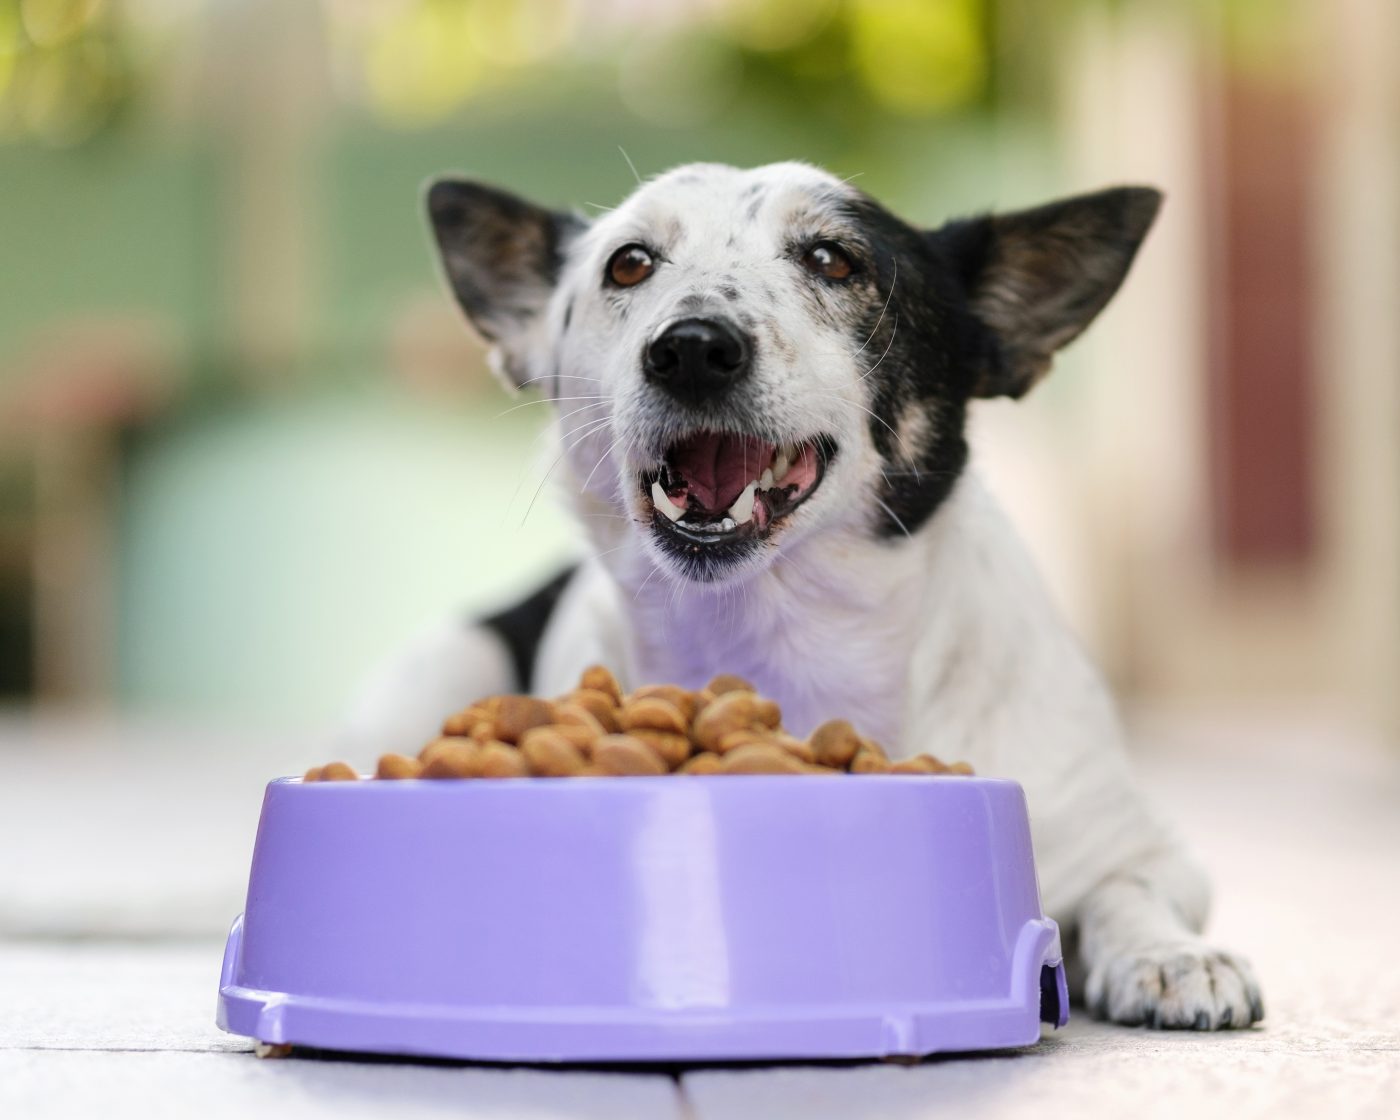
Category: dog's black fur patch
<point>916,339</point>
<point>522,626</point>
<point>974,308</point>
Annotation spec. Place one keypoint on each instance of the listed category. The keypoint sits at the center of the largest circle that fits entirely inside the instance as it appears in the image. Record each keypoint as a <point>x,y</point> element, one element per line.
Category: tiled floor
<point>132,860</point>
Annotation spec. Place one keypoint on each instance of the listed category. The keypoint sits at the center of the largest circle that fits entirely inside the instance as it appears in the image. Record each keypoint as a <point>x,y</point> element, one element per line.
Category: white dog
<point>762,379</point>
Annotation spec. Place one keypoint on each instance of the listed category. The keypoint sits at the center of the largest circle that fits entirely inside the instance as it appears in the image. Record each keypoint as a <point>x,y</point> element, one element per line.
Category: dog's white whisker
<point>599,463</point>
<point>582,434</point>
<point>582,409</point>
<point>551,400</point>
<point>556,377</point>
<point>894,279</point>
<point>875,416</point>
<point>630,165</point>
<point>894,517</point>
<point>643,586</point>
<point>544,431</point>
<point>894,330</point>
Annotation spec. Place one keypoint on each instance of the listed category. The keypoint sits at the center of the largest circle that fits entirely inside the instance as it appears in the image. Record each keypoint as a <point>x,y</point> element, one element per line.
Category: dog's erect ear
<point>1036,278</point>
<point>502,256</point>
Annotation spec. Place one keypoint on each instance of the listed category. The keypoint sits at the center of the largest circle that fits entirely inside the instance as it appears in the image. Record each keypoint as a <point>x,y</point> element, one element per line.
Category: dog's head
<point>742,358</point>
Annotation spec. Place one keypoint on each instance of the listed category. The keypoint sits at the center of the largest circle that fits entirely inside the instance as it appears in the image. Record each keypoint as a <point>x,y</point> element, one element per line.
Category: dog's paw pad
<point>1181,986</point>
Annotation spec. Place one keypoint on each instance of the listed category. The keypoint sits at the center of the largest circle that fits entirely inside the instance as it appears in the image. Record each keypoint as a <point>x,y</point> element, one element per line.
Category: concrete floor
<point>131,860</point>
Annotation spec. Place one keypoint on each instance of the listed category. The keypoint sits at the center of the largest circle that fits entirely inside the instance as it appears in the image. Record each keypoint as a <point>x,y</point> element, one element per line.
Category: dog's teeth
<point>742,509</point>
<point>663,503</point>
<point>781,463</point>
<point>765,480</point>
<point>728,524</point>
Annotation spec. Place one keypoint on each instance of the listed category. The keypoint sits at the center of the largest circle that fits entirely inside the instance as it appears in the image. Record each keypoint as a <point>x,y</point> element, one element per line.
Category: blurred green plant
<point>69,68</point>
<point>65,70</point>
<point>417,62</point>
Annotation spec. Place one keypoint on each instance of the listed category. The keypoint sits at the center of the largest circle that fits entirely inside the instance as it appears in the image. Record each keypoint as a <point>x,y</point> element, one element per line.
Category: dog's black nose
<point>697,358</point>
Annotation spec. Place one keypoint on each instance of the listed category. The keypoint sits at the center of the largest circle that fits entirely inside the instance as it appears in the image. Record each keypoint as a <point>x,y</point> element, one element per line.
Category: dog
<point>762,381</point>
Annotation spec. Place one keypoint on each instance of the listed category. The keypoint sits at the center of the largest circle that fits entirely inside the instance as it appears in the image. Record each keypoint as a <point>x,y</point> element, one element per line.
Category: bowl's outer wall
<point>706,897</point>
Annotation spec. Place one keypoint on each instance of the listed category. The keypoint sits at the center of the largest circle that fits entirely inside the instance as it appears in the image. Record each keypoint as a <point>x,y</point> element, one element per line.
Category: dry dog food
<point>597,730</point>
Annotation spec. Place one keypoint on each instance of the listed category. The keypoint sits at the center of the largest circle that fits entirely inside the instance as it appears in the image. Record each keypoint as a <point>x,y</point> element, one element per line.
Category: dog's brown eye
<point>630,265</point>
<point>828,259</point>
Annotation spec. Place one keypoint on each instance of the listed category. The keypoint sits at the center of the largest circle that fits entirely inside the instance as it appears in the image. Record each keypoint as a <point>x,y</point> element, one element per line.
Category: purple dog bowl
<point>678,919</point>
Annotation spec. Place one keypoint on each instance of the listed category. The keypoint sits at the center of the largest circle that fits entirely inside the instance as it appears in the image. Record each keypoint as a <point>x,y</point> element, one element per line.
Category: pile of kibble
<point>596,731</point>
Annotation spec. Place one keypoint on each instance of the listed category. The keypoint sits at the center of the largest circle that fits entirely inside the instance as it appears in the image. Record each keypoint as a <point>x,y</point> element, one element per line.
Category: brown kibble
<point>964,768</point>
<point>724,728</point>
<point>679,698</point>
<point>518,714</point>
<point>397,767</point>
<point>581,737</point>
<point>701,698</point>
<point>426,754</point>
<point>760,760</point>
<point>728,682</point>
<point>744,737</point>
<point>599,705</point>
<point>730,711</point>
<point>450,758</point>
<point>793,746</point>
<point>500,760</point>
<point>702,763</point>
<point>671,748</point>
<point>626,754</point>
<point>919,764</point>
<point>874,747</point>
<point>550,753</point>
<point>768,713</point>
<point>835,743</point>
<point>569,714</point>
<point>653,714</point>
<point>601,679</point>
<point>869,761</point>
<point>461,723</point>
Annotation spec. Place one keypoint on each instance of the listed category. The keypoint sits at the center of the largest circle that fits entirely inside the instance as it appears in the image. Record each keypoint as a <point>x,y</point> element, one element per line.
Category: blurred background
<point>247,446</point>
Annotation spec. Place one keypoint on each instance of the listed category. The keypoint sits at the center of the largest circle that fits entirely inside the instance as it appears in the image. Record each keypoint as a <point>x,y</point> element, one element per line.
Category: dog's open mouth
<point>714,488</point>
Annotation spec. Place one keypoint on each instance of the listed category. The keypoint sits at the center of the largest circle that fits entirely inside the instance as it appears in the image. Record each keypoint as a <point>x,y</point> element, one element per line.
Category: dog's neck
<point>846,625</point>
<point>810,632</point>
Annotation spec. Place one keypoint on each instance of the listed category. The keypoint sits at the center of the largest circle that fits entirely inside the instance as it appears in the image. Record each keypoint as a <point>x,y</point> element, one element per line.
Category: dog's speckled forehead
<point>702,202</point>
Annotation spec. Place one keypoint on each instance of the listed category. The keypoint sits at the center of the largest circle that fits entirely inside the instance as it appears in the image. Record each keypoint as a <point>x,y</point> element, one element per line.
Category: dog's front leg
<point>1144,957</point>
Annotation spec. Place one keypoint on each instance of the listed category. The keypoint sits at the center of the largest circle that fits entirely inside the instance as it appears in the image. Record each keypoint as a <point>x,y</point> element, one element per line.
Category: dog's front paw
<point>1184,985</point>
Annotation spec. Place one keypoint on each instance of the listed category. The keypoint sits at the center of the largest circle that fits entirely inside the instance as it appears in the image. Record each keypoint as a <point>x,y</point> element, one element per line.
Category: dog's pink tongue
<point>716,468</point>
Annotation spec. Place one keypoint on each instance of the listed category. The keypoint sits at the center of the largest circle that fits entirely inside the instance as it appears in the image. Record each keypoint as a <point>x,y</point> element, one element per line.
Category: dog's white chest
<point>810,633</point>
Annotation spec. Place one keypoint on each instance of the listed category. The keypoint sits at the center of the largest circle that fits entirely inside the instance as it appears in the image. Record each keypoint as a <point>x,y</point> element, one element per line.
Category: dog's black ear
<point>502,256</point>
<point>1036,278</point>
